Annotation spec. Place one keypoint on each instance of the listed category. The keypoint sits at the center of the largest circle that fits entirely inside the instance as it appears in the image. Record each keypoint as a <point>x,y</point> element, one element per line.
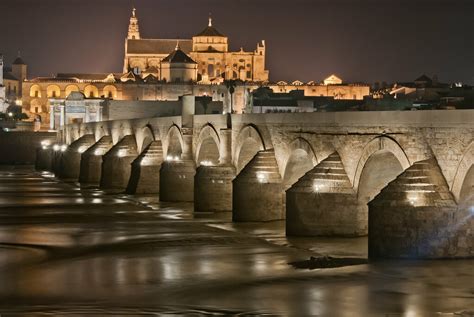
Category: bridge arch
<point>88,129</point>
<point>100,131</point>
<point>463,183</point>
<point>82,129</point>
<point>249,142</point>
<point>75,133</point>
<point>174,142</point>
<point>144,137</point>
<point>208,145</point>
<point>120,129</point>
<point>382,160</point>
<point>301,159</point>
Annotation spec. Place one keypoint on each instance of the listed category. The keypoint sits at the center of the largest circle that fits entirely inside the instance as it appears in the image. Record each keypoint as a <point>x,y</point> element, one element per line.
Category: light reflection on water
<point>111,254</point>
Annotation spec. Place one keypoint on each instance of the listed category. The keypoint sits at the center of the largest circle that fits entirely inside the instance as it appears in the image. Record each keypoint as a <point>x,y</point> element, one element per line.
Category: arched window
<point>53,91</point>
<point>69,89</point>
<point>110,92</point>
<point>35,91</point>
<point>91,92</point>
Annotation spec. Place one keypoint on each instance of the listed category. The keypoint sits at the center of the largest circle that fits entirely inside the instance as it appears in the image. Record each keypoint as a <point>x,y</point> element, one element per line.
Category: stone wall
<point>20,147</point>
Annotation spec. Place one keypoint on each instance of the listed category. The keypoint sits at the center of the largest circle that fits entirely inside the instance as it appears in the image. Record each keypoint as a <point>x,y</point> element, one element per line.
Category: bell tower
<point>133,29</point>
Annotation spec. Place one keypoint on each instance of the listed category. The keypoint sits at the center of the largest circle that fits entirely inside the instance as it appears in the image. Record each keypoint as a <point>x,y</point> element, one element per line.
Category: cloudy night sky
<point>363,41</point>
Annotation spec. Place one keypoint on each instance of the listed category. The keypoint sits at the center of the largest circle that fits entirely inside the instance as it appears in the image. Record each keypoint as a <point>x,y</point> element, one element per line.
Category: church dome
<point>19,61</point>
<point>210,31</point>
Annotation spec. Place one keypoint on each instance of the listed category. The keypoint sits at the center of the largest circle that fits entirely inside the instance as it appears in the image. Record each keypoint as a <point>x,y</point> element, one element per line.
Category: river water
<point>70,251</point>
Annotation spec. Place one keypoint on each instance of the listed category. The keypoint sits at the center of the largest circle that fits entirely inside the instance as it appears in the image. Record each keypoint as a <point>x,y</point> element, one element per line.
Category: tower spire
<point>133,29</point>
<point>177,45</point>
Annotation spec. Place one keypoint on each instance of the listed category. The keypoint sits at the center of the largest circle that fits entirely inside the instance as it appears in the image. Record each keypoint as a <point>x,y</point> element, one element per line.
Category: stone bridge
<point>404,178</point>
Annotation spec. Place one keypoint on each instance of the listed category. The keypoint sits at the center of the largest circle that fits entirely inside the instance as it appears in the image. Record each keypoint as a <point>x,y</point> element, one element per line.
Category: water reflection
<point>109,253</point>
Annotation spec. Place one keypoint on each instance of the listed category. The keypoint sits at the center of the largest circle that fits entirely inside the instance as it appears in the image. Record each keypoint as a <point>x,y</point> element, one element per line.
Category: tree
<point>230,84</point>
<point>205,101</point>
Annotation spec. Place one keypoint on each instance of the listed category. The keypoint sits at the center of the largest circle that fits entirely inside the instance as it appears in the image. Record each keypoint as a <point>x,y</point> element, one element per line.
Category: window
<point>36,109</point>
<point>210,70</point>
<point>249,74</point>
<point>36,93</point>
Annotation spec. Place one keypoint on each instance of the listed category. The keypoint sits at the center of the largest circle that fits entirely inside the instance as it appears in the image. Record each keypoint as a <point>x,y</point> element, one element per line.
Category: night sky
<point>359,40</point>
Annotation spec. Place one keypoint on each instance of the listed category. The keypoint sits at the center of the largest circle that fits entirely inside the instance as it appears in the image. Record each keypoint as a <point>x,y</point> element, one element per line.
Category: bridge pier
<point>91,161</point>
<point>258,190</point>
<point>416,216</point>
<point>177,181</point>
<point>323,203</point>
<point>213,184</point>
<point>116,164</point>
<point>213,188</point>
<point>71,158</point>
<point>145,174</point>
<point>177,176</point>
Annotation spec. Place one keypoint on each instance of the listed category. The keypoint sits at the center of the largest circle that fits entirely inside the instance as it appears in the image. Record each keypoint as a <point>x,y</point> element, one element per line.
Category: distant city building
<point>332,86</point>
<point>265,100</point>
<point>426,92</point>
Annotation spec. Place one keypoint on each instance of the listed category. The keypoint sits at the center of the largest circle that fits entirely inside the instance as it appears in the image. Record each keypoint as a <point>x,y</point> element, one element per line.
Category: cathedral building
<point>209,49</point>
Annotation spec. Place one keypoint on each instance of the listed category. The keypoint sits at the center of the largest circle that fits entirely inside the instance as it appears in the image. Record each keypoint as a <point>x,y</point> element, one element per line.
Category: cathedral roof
<point>9,76</point>
<point>424,78</point>
<point>210,31</point>
<point>178,56</point>
<point>19,61</point>
<point>150,79</point>
<point>157,46</point>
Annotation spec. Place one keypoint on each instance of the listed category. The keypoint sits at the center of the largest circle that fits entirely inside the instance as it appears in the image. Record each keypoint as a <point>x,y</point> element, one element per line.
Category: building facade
<point>11,82</point>
<point>209,49</point>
